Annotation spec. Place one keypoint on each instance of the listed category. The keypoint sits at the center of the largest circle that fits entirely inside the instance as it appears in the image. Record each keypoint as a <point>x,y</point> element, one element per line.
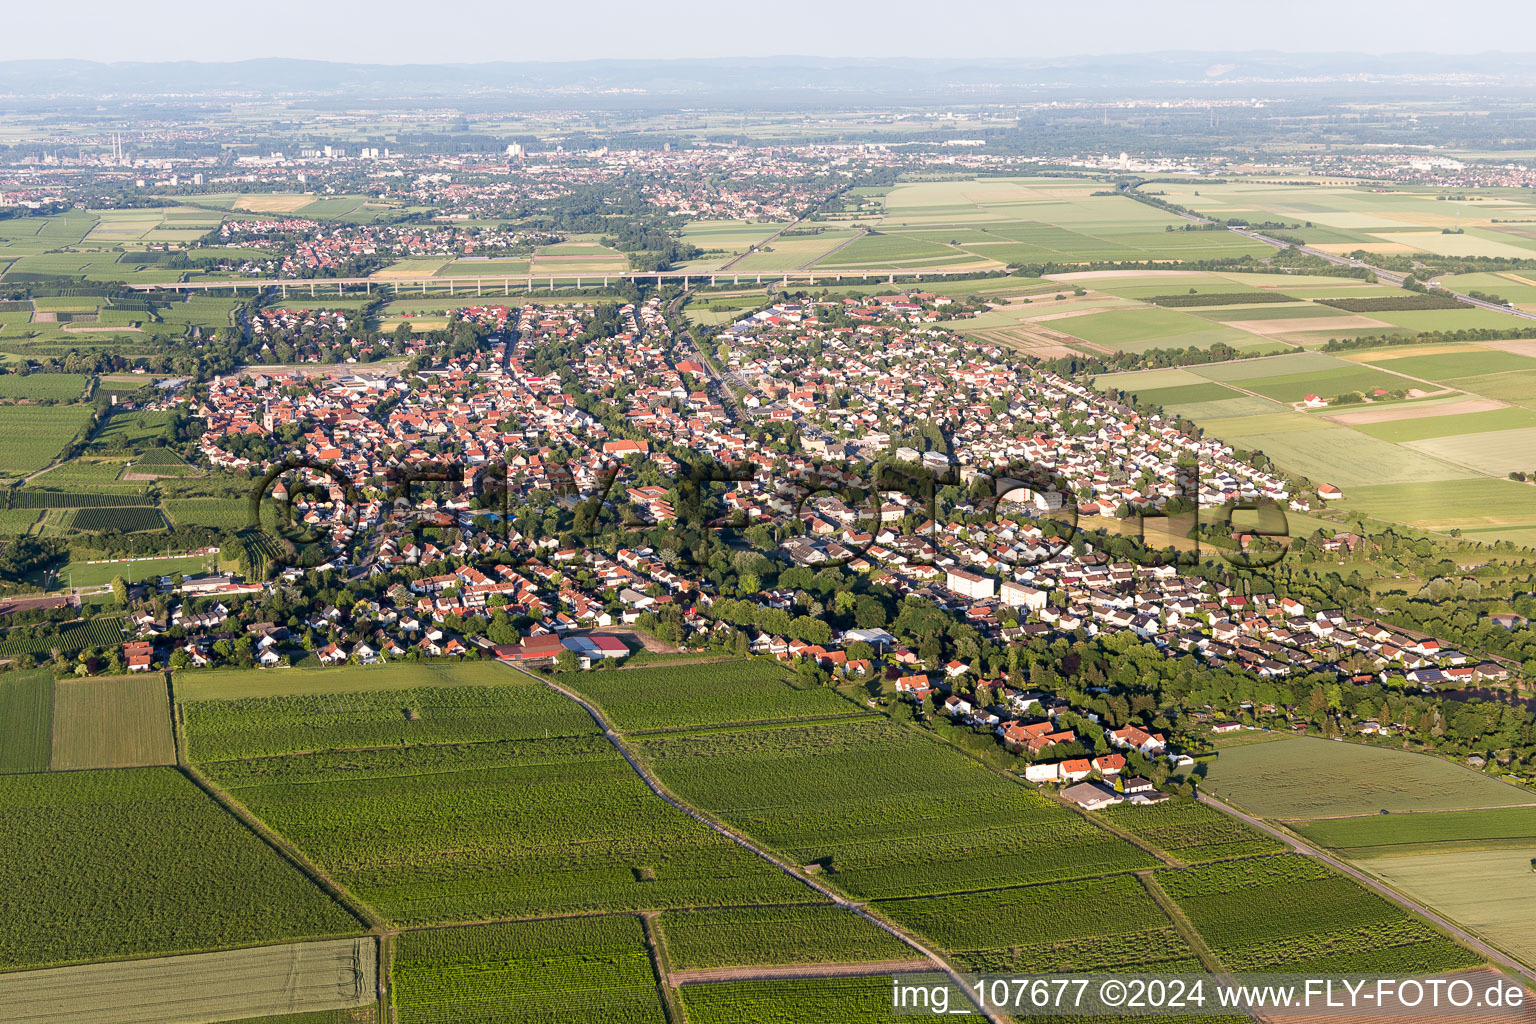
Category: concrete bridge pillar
<point>311,289</point>
<point>478,287</point>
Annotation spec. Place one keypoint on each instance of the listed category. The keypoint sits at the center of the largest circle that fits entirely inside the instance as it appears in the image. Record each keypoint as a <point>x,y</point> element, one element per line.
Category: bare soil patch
<point>1414,412</point>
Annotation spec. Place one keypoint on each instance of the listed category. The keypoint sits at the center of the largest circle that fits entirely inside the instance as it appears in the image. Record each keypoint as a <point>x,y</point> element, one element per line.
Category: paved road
<point>1305,848</point>
<point>727,393</point>
<point>794,872</point>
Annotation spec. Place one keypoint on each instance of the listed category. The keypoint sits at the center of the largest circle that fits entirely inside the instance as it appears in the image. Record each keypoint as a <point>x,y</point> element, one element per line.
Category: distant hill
<point>791,80</point>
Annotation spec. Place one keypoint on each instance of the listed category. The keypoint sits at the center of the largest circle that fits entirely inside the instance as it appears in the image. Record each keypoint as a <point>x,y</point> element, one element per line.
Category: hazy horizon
<point>393,33</point>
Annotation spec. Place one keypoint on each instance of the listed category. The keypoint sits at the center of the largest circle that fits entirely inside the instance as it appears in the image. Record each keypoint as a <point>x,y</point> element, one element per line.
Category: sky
<point>469,31</point>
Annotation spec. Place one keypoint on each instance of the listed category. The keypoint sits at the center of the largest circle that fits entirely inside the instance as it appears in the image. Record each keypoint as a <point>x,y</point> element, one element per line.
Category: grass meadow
<point>1305,777</point>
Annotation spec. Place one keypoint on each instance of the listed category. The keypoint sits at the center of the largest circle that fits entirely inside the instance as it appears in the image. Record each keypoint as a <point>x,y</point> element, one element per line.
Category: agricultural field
<point>216,513</point>
<point>133,838</point>
<point>800,251</point>
<point>856,1000</point>
<point>129,519</point>
<point>519,708</point>
<point>1484,886</point>
<point>827,795</point>
<point>1190,831</point>
<point>26,721</point>
<point>37,434</point>
<point>293,980</point>
<point>1473,866</point>
<point>40,499</point>
<point>1513,286</point>
<point>998,221</point>
<point>137,429</point>
<point>810,933</point>
<point>1306,777</point>
<point>1070,926</point>
<point>351,208</point>
<point>91,472</point>
<point>1421,832</point>
<point>1343,218</point>
<point>99,631</point>
<point>430,834</point>
<point>576,969</point>
<point>720,693</point>
<point>58,387</point>
<point>1437,460</point>
<point>723,239</point>
<point>112,722</point>
<point>578,257</point>
<point>1292,914</point>
<point>236,684</point>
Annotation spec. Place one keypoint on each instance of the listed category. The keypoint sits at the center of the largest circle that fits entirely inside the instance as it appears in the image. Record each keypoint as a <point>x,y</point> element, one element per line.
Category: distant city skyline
<point>473,31</point>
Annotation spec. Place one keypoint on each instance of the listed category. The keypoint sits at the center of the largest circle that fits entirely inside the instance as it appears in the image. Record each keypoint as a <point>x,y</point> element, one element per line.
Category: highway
<point>491,285</point>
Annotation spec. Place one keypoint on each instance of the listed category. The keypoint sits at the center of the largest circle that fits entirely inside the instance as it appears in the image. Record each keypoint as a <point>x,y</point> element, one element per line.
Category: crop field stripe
<point>113,722</point>
<point>203,987</point>
<point>26,721</point>
<point>1180,921</point>
<point>284,849</point>
<point>136,837</point>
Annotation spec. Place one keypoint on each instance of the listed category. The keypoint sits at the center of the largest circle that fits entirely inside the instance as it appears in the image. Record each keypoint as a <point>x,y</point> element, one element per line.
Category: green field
<point>495,830</point>
<point>36,434</point>
<point>1291,914</point>
<point>827,795</point>
<point>1305,777</point>
<point>801,934</point>
<point>580,969</point>
<point>235,684</point>
<point>858,1000</point>
<point>730,692</point>
<point>1044,929</point>
<point>104,473</point>
<point>26,721</point>
<point>112,722</point>
<point>59,387</point>
<point>1189,831</point>
<point>221,730</point>
<point>132,841</point>
<point>1434,467</point>
<point>1135,330</point>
